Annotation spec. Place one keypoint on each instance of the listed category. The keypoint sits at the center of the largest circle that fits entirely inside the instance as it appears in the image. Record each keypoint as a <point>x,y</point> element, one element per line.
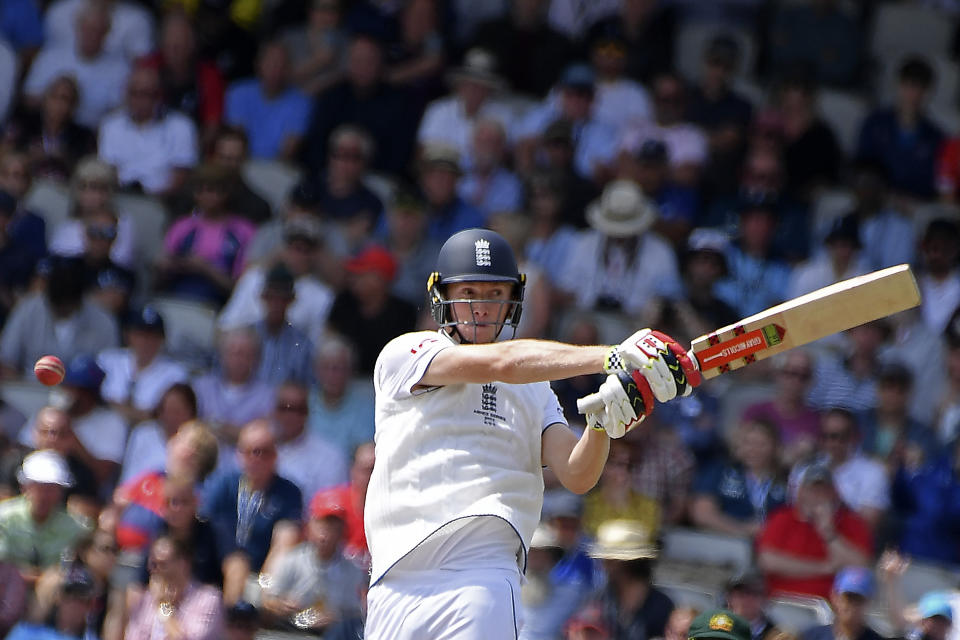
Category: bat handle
<point>590,404</point>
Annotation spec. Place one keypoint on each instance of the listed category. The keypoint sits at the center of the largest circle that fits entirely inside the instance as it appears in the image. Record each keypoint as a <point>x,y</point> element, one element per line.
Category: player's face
<point>488,314</point>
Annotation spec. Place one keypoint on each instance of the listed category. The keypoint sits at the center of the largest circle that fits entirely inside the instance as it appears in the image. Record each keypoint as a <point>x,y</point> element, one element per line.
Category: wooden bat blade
<point>818,314</point>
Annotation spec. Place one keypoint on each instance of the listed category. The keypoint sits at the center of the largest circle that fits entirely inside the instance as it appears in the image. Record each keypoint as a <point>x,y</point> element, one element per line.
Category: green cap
<point>721,624</point>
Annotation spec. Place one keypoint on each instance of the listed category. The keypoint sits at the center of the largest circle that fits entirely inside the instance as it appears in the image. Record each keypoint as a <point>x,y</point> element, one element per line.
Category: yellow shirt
<point>638,507</point>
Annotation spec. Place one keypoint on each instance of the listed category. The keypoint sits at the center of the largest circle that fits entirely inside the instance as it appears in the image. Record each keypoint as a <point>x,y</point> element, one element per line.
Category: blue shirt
<point>456,216</point>
<point>738,494</point>
<point>284,356</point>
<point>572,579</point>
<point>348,424</point>
<point>928,503</point>
<point>910,156</point>
<point>502,191</point>
<point>593,142</point>
<point>267,122</point>
<point>31,631</point>
<point>243,520</point>
<point>21,24</point>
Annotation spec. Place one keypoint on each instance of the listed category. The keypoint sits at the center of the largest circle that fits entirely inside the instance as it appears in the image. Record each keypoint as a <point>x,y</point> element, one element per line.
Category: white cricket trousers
<point>479,604</point>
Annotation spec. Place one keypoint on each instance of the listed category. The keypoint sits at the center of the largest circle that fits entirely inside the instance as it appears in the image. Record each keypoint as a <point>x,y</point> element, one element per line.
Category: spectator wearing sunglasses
<point>254,511</point>
<point>309,461</point>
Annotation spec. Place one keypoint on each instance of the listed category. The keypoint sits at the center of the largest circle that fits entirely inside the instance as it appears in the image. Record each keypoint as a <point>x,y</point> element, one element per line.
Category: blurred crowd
<point>217,212</point>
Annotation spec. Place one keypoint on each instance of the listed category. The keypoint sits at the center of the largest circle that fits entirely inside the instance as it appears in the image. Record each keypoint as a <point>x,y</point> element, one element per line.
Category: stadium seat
<point>271,180</point>
<point>688,595</point>
<point>898,25</point>
<point>25,396</point>
<point>706,548</point>
<point>190,330</point>
<point>920,578</point>
<point>844,112</point>
<point>692,42</point>
<point>8,77</point>
<point>50,200</point>
<point>795,614</point>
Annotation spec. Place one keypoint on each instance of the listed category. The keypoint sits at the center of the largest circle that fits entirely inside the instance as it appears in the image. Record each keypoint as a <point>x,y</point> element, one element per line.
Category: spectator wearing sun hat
<point>35,528</point>
<point>366,312</point>
<point>314,583</point>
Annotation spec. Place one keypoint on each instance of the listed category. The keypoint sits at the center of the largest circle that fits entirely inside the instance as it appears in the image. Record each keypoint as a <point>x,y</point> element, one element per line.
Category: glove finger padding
<point>689,367</point>
<point>627,400</point>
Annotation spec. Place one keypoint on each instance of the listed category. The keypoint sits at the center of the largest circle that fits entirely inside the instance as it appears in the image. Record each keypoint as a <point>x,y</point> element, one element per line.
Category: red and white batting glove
<point>627,400</point>
<point>660,359</point>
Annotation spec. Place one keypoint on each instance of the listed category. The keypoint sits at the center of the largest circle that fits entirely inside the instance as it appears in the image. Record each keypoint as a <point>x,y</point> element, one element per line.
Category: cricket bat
<point>796,322</point>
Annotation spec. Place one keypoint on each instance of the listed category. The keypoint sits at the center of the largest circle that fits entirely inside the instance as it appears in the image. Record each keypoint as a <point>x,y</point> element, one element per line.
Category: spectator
<point>940,277</point>
<point>552,239</point>
<point>487,184</point>
<point>73,606</point>
<point>530,51</point>
<point>649,167</point>
<point>92,186</point>
<point>110,285</point>
<point>620,100</point>
<point>841,260</point>
<point>946,424</point>
<point>341,406</point>
<point>152,149</point>
<point>285,350</point>
<point>631,605</point>
<point>232,396</point>
<point>130,26</point>
<point>757,278</point>
<point>548,598</point>
<point>242,621</point>
<point>555,156</point>
<point>616,498</point>
<point>587,624</point>
<point>619,248</point>
<point>926,501</point>
<point>57,320</point>
<point>704,263</point>
<point>447,212</point>
<point>35,529</point>
<point>648,29</point>
<point>364,99</point>
<point>147,446</point>
<point>746,597</point>
<point>722,113</point>
<point>366,313</point>
<point>11,420</point>
<point>303,457</point>
<point>803,545</point>
<point>100,74</point>
<point>205,250</point>
<point>736,497</point>
<point>192,84</point>
<point>686,143</point>
<point>21,26</point>
<point>594,142</point>
<point>255,512</point>
<point>173,601</point>
<point>849,598</point>
<point>346,202</point>
<point>537,292</point>
<point>272,113</point>
<point>416,56</point>
<point>190,453</point>
<point>887,235</point>
<point>405,236</point>
<point>312,298</point>
<point>820,37</point>
<point>662,470</point>
<point>15,268</point>
<point>450,121</point>
<point>575,569</point>
<point>231,150</point>
<point>317,47</point>
<point>137,377</point>
<point>50,135</point>
<point>315,586</point>
<point>902,138</point>
<point>13,596</point>
<point>52,430</point>
<point>352,497</point>
<point>850,380</point>
<point>25,229</point>
<point>101,432</point>
<point>890,434</point>
<point>798,424</point>
<point>716,624</point>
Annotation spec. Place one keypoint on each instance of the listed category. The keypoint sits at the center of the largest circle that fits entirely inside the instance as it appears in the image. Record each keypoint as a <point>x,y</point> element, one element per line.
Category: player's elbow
<point>579,485</point>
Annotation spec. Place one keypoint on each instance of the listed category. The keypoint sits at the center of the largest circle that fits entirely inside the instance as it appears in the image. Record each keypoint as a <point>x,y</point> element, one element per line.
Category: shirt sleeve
<point>404,362</point>
<point>552,411</point>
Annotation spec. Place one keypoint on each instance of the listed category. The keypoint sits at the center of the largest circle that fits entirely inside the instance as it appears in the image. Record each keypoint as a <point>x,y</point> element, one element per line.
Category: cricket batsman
<point>464,426</point>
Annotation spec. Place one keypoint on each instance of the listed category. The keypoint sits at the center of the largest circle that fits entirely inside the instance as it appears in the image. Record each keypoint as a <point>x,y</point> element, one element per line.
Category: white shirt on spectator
<point>308,312</point>
<point>130,35</point>
<point>101,80</point>
<point>148,153</point>
<point>312,464</point>
<point>594,142</point>
<point>102,432</point>
<point>621,102</point>
<point>146,451</point>
<point>686,143</point>
<point>818,272</point>
<point>940,300</point>
<point>862,483</point>
<point>573,17</point>
<point>70,239</point>
<point>144,388</point>
<point>446,122</point>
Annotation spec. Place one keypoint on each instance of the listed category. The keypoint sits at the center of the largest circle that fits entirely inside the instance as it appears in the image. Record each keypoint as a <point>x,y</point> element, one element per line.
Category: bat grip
<point>592,403</point>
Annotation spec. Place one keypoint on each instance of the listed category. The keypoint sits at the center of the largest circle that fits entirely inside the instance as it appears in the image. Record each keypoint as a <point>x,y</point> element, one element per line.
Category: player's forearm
<point>522,361</point>
<point>586,461</point>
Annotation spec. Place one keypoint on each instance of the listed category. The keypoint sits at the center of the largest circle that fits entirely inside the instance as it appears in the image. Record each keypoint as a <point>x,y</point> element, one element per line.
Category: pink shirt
<point>199,614</point>
<point>222,242</point>
<point>806,424</point>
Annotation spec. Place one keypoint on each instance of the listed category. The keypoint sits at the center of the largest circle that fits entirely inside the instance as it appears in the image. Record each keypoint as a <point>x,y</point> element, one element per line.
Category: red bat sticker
<point>743,345</point>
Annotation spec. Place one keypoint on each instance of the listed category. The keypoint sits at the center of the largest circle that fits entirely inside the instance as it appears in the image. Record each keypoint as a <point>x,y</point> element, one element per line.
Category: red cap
<point>375,259</point>
<point>589,618</point>
<point>328,503</point>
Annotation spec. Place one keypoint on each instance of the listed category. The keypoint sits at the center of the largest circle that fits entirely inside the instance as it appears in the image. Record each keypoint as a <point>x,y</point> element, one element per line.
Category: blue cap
<point>578,76</point>
<point>148,319</point>
<point>856,580</point>
<point>935,603</point>
<point>84,372</point>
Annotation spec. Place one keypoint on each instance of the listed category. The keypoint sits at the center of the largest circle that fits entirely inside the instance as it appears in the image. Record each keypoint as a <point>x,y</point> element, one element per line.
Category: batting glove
<point>627,400</point>
<point>663,363</point>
